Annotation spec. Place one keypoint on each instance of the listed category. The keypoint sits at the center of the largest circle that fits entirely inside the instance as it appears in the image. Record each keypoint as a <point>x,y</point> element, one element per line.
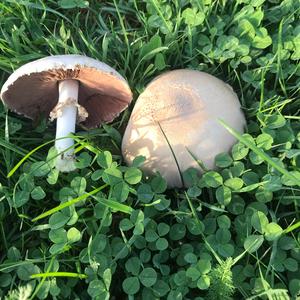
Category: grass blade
<point>17,166</point>
<point>14,148</point>
<point>116,206</point>
<point>194,213</point>
<point>43,279</point>
<point>292,227</point>
<point>58,274</point>
<point>173,153</point>
<point>69,203</point>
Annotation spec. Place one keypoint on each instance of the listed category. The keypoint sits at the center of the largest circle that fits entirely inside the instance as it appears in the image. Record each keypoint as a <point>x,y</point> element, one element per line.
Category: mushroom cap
<point>180,110</point>
<point>32,89</point>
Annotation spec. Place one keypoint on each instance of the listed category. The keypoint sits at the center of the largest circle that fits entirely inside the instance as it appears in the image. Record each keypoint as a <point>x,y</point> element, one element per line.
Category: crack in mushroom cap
<point>32,90</point>
<point>187,104</point>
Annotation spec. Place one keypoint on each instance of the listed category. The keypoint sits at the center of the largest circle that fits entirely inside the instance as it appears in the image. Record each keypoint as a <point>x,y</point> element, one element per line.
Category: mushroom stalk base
<point>65,124</point>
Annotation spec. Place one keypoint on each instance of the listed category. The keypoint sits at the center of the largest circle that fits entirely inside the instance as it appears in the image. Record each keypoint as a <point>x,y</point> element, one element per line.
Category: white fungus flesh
<point>65,124</point>
<point>175,122</point>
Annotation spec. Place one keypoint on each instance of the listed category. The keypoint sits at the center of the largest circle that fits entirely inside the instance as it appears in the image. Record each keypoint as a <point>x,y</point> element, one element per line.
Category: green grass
<point>105,231</point>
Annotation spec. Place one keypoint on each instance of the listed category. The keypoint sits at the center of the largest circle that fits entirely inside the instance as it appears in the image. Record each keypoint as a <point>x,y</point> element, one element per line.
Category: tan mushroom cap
<point>187,105</point>
<point>32,90</point>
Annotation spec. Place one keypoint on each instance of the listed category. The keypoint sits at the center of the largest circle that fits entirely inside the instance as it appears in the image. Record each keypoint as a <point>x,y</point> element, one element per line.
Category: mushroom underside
<point>102,95</point>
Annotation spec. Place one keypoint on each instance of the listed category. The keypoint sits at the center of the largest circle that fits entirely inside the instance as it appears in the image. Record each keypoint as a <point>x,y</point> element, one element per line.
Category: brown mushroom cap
<point>181,109</point>
<point>32,90</point>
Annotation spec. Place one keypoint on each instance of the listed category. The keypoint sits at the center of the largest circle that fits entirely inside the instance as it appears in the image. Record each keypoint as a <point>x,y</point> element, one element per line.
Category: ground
<point>107,232</point>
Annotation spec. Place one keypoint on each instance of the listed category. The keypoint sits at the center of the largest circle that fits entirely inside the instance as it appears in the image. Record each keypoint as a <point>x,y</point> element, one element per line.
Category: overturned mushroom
<point>175,122</point>
<point>66,87</point>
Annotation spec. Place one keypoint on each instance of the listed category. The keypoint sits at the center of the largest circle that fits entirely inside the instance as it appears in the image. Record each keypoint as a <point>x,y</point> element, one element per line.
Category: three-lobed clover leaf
<point>199,272</point>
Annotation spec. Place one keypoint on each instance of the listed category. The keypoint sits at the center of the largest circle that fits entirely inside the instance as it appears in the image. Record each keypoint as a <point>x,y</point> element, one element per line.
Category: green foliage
<point>232,234</point>
<point>67,4</point>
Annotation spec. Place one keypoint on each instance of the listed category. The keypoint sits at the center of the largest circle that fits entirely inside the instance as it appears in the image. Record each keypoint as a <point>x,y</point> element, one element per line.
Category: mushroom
<point>66,87</point>
<point>175,123</point>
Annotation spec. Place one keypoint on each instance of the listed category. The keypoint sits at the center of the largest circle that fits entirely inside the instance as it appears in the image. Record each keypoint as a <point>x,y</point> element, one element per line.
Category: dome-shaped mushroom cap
<point>33,88</point>
<point>186,106</point>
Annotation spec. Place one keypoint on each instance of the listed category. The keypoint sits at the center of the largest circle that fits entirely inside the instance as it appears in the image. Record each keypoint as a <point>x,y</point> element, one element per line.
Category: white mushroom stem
<point>66,119</point>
